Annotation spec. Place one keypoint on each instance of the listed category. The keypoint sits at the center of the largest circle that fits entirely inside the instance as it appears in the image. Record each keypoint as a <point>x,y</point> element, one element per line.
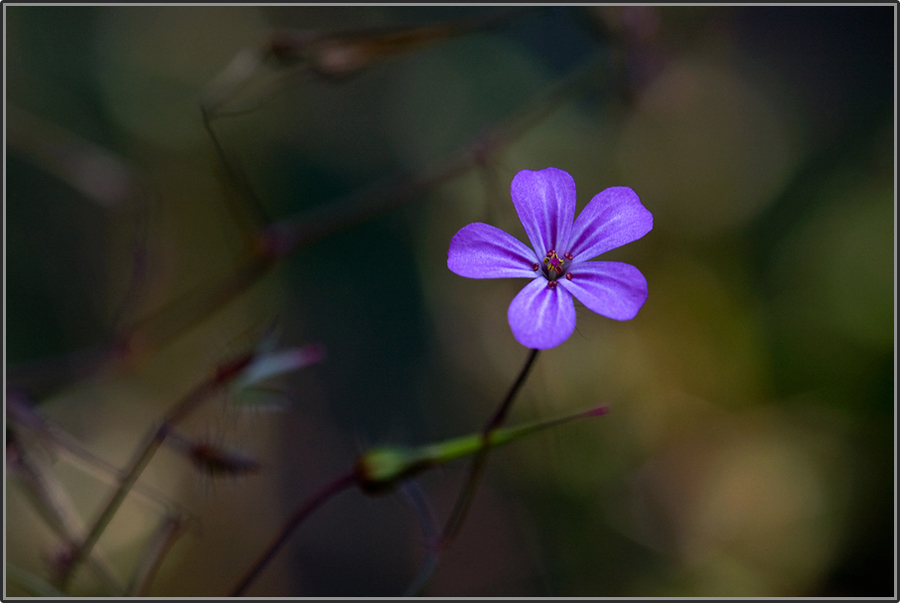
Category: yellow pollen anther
<point>552,262</point>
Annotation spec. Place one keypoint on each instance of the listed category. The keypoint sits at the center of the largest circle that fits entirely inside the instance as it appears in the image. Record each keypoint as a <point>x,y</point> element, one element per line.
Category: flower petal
<point>613,289</point>
<point>484,251</point>
<point>545,202</point>
<point>541,317</point>
<point>612,219</point>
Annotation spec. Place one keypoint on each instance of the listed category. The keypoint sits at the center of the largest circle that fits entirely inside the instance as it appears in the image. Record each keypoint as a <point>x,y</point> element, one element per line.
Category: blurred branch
<point>430,532</point>
<point>21,416</point>
<point>170,529</point>
<point>252,216</point>
<point>334,55</point>
<point>105,179</point>
<point>98,174</point>
<point>52,502</point>
<point>180,411</point>
<point>307,228</point>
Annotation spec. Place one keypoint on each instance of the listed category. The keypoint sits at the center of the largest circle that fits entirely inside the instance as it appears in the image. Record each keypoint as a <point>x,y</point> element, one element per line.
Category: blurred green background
<point>750,447</point>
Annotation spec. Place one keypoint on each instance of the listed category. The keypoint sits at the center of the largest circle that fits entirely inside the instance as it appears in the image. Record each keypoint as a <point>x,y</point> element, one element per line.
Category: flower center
<point>555,266</point>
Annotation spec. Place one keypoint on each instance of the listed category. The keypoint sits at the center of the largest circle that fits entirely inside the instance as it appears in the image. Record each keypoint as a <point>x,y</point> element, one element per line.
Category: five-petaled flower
<point>542,315</point>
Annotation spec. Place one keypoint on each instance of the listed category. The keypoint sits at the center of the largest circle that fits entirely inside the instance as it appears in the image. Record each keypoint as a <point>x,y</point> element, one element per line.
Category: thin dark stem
<point>466,496</point>
<point>500,414</point>
<point>421,579</point>
<point>180,411</point>
<point>109,510</point>
<point>239,179</point>
<point>305,510</point>
<point>464,502</point>
<point>167,533</point>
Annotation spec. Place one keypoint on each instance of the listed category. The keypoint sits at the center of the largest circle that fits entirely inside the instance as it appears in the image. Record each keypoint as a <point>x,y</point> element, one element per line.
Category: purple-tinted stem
<point>306,509</point>
<point>167,534</point>
<point>461,508</point>
<point>430,532</point>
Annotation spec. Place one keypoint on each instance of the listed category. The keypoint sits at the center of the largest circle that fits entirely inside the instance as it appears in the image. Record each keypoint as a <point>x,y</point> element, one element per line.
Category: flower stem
<point>461,508</point>
<point>341,483</point>
<point>380,470</point>
<point>464,501</point>
<point>503,409</point>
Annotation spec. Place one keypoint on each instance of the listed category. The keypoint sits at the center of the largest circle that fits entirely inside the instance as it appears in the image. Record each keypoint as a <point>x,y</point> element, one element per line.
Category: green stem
<point>382,469</point>
<point>435,454</point>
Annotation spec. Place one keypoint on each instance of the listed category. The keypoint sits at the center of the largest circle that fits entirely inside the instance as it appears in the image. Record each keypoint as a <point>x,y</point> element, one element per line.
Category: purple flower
<point>542,315</point>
